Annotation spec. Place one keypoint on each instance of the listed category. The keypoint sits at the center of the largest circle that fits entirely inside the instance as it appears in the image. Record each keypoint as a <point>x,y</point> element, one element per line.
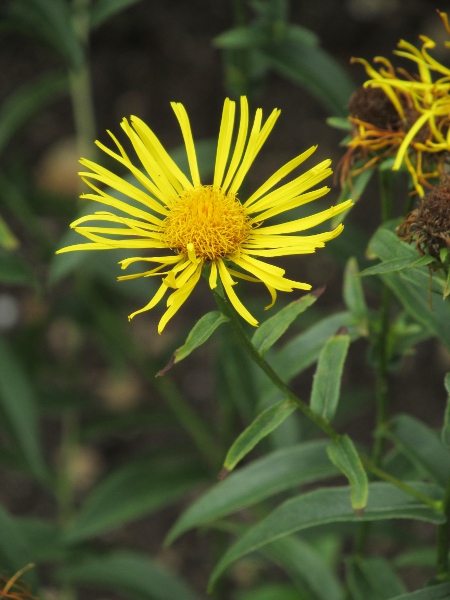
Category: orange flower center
<point>214,222</point>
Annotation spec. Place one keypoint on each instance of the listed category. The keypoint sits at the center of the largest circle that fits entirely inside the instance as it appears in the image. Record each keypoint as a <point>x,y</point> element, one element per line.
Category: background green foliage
<point>302,513</point>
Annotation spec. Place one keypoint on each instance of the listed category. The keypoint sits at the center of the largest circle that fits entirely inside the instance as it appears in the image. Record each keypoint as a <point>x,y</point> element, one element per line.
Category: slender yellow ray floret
<point>204,225</point>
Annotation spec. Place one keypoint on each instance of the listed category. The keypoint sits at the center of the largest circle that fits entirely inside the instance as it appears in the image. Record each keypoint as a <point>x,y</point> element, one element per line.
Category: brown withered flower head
<point>404,115</point>
<point>428,226</point>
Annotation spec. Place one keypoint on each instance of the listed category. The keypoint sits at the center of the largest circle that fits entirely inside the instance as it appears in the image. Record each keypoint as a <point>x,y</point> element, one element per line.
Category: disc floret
<point>215,223</point>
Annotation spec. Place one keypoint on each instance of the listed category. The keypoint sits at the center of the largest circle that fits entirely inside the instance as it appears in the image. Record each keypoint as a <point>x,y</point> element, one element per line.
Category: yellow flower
<point>421,139</point>
<point>204,225</point>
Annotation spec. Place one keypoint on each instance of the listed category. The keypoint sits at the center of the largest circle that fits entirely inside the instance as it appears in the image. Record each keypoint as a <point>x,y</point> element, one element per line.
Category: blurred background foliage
<point>97,456</point>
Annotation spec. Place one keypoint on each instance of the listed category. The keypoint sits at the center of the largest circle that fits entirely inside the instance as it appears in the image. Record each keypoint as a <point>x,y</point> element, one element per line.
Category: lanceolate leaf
<point>314,69</point>
<point>435,592</point>
<point>135,490</point>
<point>134,575</point>
<point>14,271</point>
<point>198,335</point>
<point>264,477</point>
<point>353,191</point>
<point>422,446</point>
<point>303,562</point>
<point>397,264</point>
<point>103,10</point>
<point>415,296</point>
<point>26,102</point>
<point>354,295</point>
<point>343,454</point>
<point>8,240</point>
<point>373,579</point>
<point>264,424</point>
<point>327,379</point>
<point>330,505</point>
<point>19,406</point>
<point>272,329</point>
<point>303,350</point>
<point>14,550</point>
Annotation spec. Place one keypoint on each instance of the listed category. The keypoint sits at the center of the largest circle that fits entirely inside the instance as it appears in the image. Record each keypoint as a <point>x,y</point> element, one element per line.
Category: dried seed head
<point>371,105</point>
<point>428,226</point>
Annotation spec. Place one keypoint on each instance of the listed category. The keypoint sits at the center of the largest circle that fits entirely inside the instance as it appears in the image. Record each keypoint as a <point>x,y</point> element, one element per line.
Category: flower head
<point>204,225</point>
<point>405,115</point>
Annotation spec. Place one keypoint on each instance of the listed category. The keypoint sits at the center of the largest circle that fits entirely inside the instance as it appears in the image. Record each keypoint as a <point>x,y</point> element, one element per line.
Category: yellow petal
<point>239,145</point>
<point>279,175</point>
<point>227,283</point>
<point>153,302</point>
<point>224,141</point>
<point>183,120</point>
<point>178,298</point>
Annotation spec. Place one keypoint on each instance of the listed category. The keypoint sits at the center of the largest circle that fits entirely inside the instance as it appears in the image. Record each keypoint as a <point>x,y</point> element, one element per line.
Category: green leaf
<point>13,271</point>
<point>26,102</point>
<point>327,378</point>
<point>273,328</point>
<point>445,433</point>
<point>341,123</point>
<point>236,380</point>
<point>415,296</point>
<point>239,38</point>
<point>397,264</point>
<point>313,68</point>
<point>261,479</point>
<point>330,505</point>
<point>353,294</point>
<point>373,579</point>
<point>352,190</point>
<point>8,240</point>
<point>102,10</point>
<point>14,550</point>
<point>270,591</point>
<point>343,454</point>
<point>264,424</point>
<point>303,350</point>
<point>418,557</point>
<point>133,575</point>
<point>435,592</point>
<point>421,445</point>
<point>43,539</point>
<point>198,335</point>
<point>51,20</point>
<point>447,285</point>
<point>136,489</point>
<point>305,564</point>
<point>19,407</point>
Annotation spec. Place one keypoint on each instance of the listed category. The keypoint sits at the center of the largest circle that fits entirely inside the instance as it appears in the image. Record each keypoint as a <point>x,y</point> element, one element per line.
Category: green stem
<point>436,505</point>
<point>80,84</point>
<point>242,337</point>
<point>382,341</point>
<point>443,541</point>
<point>381,351</point>
<point>382,361</point>
<point>261,362</point>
